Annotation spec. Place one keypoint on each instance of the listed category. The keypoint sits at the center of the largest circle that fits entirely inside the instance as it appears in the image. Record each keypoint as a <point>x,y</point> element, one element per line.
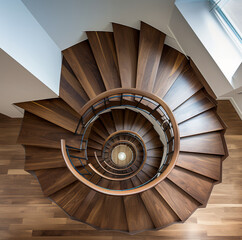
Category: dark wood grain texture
<point>103,48</point>
<point>53,110</point>
<point>202,123</point>
<point>150,48</point>
<point>210,143</point>
<point>180,202</point>
<point>195,105</point>
<point>83,64</point>
<point>70,89</point>
<point>127,45</point>
<point>170,66</point>
<point>44,158</point>
<point>194,184</point>
<point>204,164</point>
<point>36,131</point>
<point>183,88</point>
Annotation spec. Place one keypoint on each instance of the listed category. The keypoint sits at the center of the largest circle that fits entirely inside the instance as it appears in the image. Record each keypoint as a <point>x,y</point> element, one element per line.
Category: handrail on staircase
<point>171,126</point>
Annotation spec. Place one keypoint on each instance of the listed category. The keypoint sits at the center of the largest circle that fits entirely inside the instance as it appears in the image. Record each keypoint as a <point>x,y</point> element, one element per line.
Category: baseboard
<point>233,103</point>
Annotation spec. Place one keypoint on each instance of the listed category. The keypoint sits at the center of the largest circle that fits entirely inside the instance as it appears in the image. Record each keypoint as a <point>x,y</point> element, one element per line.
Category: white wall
<point>193,48</point>
<point>23,38</point>
<point>18,85</point>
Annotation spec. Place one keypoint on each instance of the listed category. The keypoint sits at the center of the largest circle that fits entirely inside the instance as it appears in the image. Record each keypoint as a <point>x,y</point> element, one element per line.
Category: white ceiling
<point>67,20</point>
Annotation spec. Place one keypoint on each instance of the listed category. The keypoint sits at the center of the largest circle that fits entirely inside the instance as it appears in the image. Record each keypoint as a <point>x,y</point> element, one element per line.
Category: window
<point>229,14</point>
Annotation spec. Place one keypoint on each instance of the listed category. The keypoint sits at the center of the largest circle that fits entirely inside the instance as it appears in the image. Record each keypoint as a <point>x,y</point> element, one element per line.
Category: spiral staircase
<point>134,142</point>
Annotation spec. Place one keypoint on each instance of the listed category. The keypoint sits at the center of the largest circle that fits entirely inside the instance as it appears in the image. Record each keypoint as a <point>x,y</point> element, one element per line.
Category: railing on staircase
<point>135,99</point>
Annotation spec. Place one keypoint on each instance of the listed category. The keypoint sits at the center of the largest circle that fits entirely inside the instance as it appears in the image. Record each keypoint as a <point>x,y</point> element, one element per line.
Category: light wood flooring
<point>26,214</point>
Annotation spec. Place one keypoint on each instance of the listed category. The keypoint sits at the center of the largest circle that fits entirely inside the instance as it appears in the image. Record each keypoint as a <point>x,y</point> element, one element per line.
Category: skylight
<point>229,14</point>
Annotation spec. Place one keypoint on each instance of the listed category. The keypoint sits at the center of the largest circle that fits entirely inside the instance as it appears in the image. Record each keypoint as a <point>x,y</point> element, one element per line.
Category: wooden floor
<point>26,214</point>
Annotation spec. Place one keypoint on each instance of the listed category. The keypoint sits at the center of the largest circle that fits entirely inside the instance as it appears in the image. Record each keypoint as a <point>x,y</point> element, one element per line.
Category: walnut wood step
<point>209,143</point>
<point>138,123</point>
<point>94,144</point>
<point>183,88</point>
<point>70,89</point>
<point>36,131</point>
<point>202,123</point>
<point>154,161</point>
<point>154,143</point>
<point>43,158</point>
<point>180,202</point>
<point>129,118</point>
<point>100,129</point>
<point>90,207</point>
<point>52,180</point>
<point>107,121</point>
<point>195,105</point>
<point>55,111</point>
<point>147,126</point>
<point>95,137</point>
<point>103,48</point>
<point>127,45</point>
<point>150,48</point>
<point>138,218</point>
<point>83,64</point>
<point>160,212</point>
<point>118,118</point>
<point>197,186</point>
<point>113,211</point>
<point>171,64</point>
<point>204,164</point>
<point>70,197</point>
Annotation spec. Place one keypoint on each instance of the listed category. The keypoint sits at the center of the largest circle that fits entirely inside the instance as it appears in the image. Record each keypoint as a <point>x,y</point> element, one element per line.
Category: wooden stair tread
<point>46,134</point>
<point>202,123</point>
<point>138,122</point>
<point>180,202</point>
<point>150,48</point>
<point>137,216</point>
<point>90,206</point>
<point>53,110</point>
<point>170,66</point>
<point>113,211</point>
<point>206,165</point>
<point>70,89</point>
<point>129,118</point>
<point>210,143</point>
<point>94,144</point>
<point>153,161</point>
<point>44,158</point>
<point>195,105</point>
<point>70,197</point>
<point>99,129</point>
<point>198,186</point>
<point>127,44</point>
<point>183,88</point>
<point>118,118</point>
<point>107,121</point>
<point>160,212</point>
<point>103,48</point>
<point>83,64</point>
<point>52,180</point>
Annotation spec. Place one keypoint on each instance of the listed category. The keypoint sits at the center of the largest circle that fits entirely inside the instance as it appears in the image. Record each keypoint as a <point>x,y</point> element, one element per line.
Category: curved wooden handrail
<point>118,174</point>
<point>123,132</point>
<point>148,185</point>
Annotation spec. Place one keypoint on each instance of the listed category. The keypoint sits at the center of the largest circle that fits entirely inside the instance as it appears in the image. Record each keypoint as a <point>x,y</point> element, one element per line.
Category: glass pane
<point>233,11</point>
